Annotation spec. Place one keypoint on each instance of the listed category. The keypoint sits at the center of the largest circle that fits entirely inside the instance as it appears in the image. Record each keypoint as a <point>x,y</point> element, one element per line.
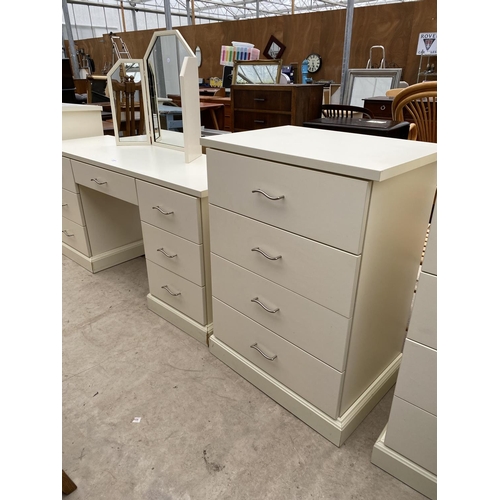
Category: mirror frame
<point>258,62</point>
<point>353,74</point>
<point>139,140</point>
<point>190,99</point>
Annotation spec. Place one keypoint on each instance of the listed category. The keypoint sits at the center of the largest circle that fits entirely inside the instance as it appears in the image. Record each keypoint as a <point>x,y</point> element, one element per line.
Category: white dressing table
<point>123,202</point>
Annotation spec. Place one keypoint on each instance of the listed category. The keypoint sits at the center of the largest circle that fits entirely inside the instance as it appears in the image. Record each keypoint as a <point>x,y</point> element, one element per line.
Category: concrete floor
<point>205,433</point>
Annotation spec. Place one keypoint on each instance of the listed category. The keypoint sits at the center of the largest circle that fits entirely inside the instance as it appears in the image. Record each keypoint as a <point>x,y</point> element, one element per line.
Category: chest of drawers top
<point>162,166</point>
<point>354,155</point>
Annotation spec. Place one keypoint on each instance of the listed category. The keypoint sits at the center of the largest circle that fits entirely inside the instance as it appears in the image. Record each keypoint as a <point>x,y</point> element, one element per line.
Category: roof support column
<point>347,47</point>
<point>168,14</point>
<point>71,42</point>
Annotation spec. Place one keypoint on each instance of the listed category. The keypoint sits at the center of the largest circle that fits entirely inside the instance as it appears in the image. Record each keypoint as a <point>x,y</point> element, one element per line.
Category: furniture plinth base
<point>405,470</point>
<point>104,260</point>
<point>335,430</point>
<point>181,321</point>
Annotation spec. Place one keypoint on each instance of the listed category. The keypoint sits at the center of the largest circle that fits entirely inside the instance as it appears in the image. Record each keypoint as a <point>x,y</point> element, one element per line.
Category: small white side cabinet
<point>407,447</point>
<point>316,239</point>
<point>81,120</point>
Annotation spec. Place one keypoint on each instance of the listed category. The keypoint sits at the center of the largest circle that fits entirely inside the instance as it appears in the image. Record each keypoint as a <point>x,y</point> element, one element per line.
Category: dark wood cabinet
<point>381,107</point>
<point>264,106</point>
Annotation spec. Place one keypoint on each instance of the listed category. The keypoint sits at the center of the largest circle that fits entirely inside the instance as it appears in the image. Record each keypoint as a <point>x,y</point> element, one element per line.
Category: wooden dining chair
<point>132,109</point>
<point>344,111</point>
<point>418,105</point>
<point>393,92</point>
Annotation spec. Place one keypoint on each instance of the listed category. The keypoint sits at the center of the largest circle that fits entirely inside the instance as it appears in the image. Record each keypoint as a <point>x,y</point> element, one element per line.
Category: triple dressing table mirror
<point>127,91</point>
<point>173,99</point>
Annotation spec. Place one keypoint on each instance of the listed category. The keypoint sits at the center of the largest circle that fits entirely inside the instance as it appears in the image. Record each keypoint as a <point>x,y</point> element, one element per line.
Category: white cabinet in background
<point>407,447</point>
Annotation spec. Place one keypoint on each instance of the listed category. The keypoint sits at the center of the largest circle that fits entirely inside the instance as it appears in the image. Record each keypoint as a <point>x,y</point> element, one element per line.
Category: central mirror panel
<point>173,89</point>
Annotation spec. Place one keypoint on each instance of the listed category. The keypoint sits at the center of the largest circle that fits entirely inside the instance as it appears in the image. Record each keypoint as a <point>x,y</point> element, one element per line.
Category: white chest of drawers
<point>316,240</point>
<point>407,447</point>
<point>120,203</point>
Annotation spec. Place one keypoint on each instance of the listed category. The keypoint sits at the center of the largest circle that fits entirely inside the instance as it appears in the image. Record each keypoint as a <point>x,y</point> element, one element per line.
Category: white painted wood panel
<point>81,121</point>
<point>68,181</point>
<point>182,212</point>
<point>356,155</point>
<point>191,298</point>
<point>314,328</point>
<point>429,265</point>
<point>423,322</point>
<point>72,207</point>
<point>316,382</point>
<point>75,236</point>
<point>417,379</point>
<point>395,234</point>
<point>321,273</point>
<point>158,165</point>
<point>111,222</point>
<point>105,181</point>
<point>412,432</point>
<point>176,254</point>
<point>327,208</point>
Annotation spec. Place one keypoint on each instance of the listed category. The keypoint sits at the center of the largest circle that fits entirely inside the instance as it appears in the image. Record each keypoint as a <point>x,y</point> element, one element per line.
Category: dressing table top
<point>162,166</point>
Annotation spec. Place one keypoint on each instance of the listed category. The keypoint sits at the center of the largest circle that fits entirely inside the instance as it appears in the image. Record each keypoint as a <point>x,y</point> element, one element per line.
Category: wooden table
<point>384,128</point>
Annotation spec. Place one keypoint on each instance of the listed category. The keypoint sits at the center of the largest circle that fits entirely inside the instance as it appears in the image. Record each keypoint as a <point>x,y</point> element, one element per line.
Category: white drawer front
<point>182,215</point>
<point>314,328</point>
<point>68,181</point>
<point>191,299</point>
<point>423,321</point>
<point>417,378</point>
<point>412,432</point>
<point>318,272</point>
<point>72,207</point>
<point>325,207</point>
<point>176,254</point>
<point>75,236</point>
<point>105,181</point>
<point>315,381</point>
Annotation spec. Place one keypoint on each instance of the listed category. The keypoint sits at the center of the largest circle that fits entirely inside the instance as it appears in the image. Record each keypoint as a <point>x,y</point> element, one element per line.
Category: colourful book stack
<point>229,54</point>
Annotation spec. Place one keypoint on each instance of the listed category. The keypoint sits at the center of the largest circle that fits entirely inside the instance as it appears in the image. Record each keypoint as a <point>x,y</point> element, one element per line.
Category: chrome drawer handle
<point>267,256</point>
<point>66,233</point>
<point>254,346</point>
<point>175,294</point>
<point>382,108</point>
<point>260,99</point>
<point>259,121</point>
<point>162,211</point>
<point>166,254</point>
<point>257,301</point>
<point>274,198</point>
<point>99,182</point>
<point>64,204</point>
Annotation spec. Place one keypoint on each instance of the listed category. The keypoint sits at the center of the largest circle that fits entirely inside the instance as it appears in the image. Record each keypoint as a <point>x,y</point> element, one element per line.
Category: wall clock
<point>313,62</point>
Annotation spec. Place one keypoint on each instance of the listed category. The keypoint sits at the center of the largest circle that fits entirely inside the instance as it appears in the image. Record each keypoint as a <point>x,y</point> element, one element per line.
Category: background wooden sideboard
<point>264,106</point>
<point>395,26</point>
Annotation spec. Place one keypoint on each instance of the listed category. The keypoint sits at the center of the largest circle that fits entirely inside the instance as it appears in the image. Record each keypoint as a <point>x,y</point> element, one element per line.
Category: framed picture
<point>259,71</point>
<point>364,83</point>
<point>274,48</point>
